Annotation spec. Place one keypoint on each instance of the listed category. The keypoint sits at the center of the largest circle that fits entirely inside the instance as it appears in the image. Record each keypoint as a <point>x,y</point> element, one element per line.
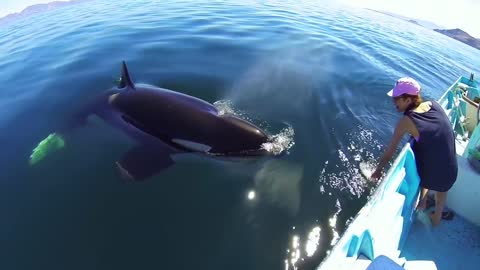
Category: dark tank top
<point>435,153</point>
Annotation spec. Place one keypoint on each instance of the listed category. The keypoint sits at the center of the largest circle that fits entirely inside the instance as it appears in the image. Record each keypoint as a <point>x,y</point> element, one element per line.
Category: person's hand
<point>376,174</point>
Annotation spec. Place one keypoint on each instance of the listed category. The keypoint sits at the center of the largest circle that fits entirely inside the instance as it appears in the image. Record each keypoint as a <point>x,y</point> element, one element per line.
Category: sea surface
<point>310,73</point>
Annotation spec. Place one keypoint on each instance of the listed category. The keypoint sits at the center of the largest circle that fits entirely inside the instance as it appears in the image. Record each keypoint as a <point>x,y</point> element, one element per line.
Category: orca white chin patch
<point>194,146</point>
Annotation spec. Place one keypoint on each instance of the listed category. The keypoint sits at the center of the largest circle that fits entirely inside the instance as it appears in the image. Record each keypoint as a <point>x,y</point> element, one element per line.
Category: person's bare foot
<point>435,218</point>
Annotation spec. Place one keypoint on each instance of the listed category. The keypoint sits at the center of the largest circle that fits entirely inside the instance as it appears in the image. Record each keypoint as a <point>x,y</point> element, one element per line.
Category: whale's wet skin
<point>164,122</point>
<point>311,78</point>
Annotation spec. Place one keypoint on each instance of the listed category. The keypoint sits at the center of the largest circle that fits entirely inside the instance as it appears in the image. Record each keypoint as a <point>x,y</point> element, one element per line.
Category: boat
<point>389,233</point>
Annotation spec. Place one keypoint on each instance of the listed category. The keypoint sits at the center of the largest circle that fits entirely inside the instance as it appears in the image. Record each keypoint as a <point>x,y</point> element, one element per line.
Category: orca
<point>164,122</point>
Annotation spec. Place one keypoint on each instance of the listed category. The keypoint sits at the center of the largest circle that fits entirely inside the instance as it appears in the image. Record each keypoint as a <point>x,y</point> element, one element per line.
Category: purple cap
<point>405,85</point>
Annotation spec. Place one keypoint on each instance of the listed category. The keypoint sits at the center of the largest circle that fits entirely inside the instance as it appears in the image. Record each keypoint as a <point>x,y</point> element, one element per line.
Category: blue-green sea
<point>312,72</point>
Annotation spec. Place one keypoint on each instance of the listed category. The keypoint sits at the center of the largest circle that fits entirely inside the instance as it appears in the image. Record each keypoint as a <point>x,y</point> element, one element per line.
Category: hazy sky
<point>11,6</point>
<point>462,14</point>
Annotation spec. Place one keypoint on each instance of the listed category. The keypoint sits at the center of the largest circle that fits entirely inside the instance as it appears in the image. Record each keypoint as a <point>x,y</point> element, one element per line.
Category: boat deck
<point>453,244</point>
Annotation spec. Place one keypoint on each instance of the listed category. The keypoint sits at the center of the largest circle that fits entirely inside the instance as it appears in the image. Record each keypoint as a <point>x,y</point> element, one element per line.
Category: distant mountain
<point>457,34</point>
<point>426,24</point>
<point>462,36</point>
<point>34,9</point>
<point>415,22</point>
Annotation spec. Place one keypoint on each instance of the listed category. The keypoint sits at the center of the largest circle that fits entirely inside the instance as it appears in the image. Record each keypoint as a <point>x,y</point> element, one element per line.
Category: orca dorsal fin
<point>125,81</point>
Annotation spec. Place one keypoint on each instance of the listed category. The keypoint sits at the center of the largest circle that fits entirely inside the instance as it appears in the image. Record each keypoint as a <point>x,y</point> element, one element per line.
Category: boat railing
<point>461,104</point>
<point>382,225</point>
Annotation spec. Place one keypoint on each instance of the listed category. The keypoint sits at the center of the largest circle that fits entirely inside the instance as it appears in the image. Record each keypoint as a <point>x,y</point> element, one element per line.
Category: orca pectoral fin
<point>141,162</point>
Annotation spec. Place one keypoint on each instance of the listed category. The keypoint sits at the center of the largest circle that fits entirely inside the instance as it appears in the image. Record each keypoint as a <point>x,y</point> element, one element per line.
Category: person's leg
<point>440,199</point>
<point>422,203</point>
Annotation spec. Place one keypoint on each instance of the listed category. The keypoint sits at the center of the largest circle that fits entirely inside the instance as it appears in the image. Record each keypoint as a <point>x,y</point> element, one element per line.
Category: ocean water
<point>309,72</point>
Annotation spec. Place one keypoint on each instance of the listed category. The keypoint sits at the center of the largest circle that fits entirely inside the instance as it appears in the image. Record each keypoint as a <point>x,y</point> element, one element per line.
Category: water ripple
<point>319,69</point>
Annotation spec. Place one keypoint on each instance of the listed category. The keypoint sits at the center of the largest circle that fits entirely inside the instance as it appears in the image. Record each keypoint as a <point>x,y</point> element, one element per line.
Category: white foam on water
<point>355,164</point>
<point>280,142</point>
<point>277,144</point>
<point>367,168</point>
<point>224,107</point>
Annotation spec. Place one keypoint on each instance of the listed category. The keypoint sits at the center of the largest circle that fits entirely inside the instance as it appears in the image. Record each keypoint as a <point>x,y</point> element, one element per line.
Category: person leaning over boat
<point>433,143</point>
